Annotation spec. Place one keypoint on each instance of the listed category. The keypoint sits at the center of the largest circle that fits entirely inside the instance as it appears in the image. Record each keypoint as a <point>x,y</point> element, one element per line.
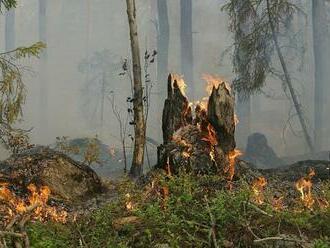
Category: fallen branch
<point>12,234</point>
<point>278,238</point>
<point>258,209</point>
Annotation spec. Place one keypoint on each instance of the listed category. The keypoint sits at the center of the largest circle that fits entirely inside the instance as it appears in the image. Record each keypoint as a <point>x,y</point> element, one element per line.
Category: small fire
<point>129,204</point>
<point>180,82</point>
<point>209,135</point>
<point>304,186</point>
<point>213,81</point>
<point>37,199</point>
<point>258,187</point>
<point>277,203</point>
<point>230,169</point>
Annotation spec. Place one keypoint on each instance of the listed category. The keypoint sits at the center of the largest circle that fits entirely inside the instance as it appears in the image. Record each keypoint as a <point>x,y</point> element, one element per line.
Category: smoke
<point>77,30</point>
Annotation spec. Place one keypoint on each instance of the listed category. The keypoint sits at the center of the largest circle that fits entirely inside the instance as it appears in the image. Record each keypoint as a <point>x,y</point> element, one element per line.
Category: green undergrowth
<point>185,211</point>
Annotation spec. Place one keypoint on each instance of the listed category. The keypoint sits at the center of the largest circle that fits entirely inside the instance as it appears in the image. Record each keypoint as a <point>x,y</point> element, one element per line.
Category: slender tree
<point>139,123</point>
<point>321,43</point>
<point>163,38</point>
<point>12,88</point>
<point>187,43</point>
<point>267,21</point>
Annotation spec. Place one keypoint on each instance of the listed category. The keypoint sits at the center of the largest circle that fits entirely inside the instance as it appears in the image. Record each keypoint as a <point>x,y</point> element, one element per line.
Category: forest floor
<point>194,211</point>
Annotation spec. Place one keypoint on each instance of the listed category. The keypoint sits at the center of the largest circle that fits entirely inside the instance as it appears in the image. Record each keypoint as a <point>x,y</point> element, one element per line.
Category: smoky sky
<point>81,31</point>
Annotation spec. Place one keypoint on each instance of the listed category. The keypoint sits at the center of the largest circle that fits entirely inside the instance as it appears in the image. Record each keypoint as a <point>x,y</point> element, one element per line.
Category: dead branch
<point>258,209</point>
<point>279,238</point>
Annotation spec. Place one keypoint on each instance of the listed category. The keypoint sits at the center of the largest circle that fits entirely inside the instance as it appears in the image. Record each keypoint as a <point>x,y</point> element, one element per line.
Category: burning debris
<point>304,186</point>
<point>17,211</point>
<point>67,179</point>
<point>199,139</point>
<point>36,202</point>
<point>258,187</point>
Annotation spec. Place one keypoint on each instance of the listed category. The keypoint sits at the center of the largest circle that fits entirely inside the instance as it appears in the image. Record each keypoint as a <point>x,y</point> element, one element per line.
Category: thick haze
<point>76,29</point>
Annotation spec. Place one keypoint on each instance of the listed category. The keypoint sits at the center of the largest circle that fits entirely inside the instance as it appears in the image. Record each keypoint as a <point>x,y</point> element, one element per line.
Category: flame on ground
<point>258,186</point>
<point>230,169</point>
<point>304,186</point>
<point>277,203</point>
<point>37,199</point>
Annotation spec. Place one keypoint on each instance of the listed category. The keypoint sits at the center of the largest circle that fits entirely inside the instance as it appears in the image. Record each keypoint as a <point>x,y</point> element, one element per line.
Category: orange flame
<point>180,81</point>
<point>213,81</point>
<point>37,198</point>
<point>277,203</point>
<point>230,169</point>
<point>258,187</point>
<point>304,186</point>
<point>129,204</point>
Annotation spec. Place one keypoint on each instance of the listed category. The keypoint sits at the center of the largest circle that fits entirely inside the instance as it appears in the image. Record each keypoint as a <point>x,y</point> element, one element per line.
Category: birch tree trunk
<point>320,43</point>
<point>139,124</point>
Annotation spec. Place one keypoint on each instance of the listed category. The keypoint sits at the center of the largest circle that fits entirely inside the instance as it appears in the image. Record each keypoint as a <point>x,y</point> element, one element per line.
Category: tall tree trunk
<point>43,70</point>
<point>288,81</point>
<point>244,116</point>
<point>187,43</point>
<point>163,38</point>
<point>10,30</point>
<point>320,41</point>
<point>139,124</point>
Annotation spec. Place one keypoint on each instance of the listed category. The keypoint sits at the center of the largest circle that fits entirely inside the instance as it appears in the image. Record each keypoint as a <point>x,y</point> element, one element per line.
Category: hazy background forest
<point>65,95</point>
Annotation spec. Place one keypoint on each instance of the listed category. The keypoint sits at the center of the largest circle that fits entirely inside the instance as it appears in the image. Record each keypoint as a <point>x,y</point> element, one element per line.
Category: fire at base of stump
<point>199,136</point>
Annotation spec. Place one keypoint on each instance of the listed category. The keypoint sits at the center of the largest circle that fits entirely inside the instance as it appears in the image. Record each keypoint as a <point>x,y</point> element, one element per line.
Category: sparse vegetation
<point>185,211</point>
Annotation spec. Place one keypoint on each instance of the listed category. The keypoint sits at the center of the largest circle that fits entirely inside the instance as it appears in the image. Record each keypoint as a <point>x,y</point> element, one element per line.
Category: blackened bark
<point>221,115</point>
<point>176,112</point>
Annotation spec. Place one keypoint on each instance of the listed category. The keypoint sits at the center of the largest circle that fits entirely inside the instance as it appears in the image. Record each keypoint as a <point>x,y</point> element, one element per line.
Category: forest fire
<point>258,187</point>
<point>304,186</point>
<point>213,81</point>
<point>232,160</point>
<point>180,83</point>
<point>36,203</point>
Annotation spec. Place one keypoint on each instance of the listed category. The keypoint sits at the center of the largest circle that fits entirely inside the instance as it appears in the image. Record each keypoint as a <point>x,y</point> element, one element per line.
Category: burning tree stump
<point>221,115</point>
<point>177,112</point>
<point>67,179</point>
<point>202,141</point>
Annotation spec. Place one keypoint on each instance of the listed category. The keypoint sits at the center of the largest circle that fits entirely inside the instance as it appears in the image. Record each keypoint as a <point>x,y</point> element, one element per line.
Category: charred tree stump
<point>176,112</point>
<point>221,115</point>
<point>201,141</point>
